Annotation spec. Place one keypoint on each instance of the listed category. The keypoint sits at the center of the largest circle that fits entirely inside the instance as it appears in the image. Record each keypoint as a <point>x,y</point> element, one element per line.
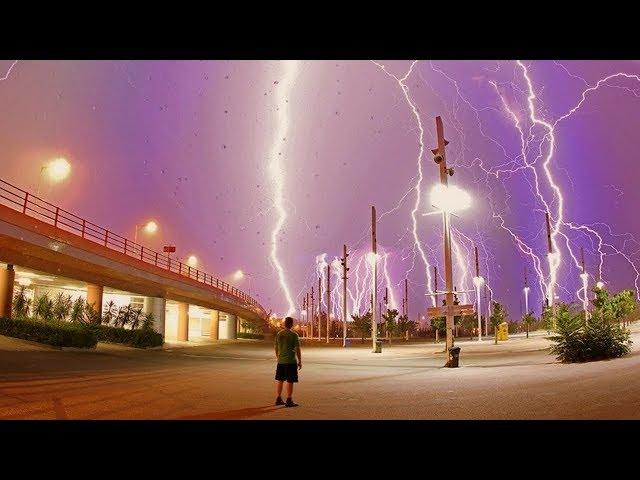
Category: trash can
<point>378,346</point>
<point>455,357</point>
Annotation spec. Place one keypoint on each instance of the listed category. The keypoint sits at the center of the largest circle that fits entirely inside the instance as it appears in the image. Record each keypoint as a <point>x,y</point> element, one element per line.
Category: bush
<point>596,339</point>
<point>258,336</point>
<point>52,332</point>
<point>141,338</point>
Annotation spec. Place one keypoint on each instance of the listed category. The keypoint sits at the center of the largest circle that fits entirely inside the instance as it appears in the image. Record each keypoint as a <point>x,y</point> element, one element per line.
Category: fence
<point>35,207</point>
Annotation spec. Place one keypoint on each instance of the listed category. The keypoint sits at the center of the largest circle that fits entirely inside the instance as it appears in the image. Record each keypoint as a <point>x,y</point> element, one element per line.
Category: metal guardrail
<point>32,206</point>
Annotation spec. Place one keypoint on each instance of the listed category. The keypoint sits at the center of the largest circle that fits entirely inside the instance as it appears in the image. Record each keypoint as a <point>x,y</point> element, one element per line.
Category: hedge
<point>58,334</point>
<point>139,338</point>
<point>257,336</point>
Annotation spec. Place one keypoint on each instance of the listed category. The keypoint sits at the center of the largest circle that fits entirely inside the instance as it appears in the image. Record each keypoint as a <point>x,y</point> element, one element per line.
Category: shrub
<point>578,340</point>
<point>21,304</point>
<point>258,336</point>
<point>52,332</point>
<point>141,338</point>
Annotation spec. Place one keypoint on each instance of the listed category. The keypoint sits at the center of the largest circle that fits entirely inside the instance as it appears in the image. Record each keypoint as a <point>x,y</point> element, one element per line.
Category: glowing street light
<point>599,284</point>
<point>238,275</point>
<point>150,228</point>
<point>57,170</point>
<point>192,261</point>
<point>449,198</point>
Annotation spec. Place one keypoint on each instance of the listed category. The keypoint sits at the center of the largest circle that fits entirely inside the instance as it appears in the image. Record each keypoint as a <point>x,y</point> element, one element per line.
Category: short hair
<point>288,322</point>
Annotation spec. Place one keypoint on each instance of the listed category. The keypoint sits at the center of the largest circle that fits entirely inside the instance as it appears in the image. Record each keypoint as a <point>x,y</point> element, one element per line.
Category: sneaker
<point>290,403</point>
<point>279,401</point>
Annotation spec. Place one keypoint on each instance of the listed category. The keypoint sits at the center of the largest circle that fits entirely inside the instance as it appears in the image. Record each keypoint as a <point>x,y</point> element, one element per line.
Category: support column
<point>94,297</point>
<point>157,306</point>
<point>183,322</point>
<point>7,279</point>
<point>232,326</point>
<point>215,324</point>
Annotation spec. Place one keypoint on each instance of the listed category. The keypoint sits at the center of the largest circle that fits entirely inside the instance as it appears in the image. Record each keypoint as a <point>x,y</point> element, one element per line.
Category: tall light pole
<point>345,269</point>
<point>435,289</point>
<point>488,302</point>
<point>328,298</point>
<point>319,308</point>
<point>374,297</point>
<point>149,228</point>
<point>448,199</point>
<point>526,293</point>
<point>313,305</point>
<point>309,324</point>
<point>57,170</point>
<point>478,281</point>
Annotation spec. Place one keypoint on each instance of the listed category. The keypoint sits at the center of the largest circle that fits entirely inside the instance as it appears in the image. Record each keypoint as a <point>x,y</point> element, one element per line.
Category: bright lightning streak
<point>417,187</point>
<point>276,170</point>
<point>6,75</point>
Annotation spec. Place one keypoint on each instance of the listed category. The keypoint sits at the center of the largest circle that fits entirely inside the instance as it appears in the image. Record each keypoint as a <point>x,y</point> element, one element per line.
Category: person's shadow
<point>234,414</point>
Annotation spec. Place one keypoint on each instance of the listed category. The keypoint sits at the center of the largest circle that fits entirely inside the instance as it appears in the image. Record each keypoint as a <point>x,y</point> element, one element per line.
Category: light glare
<point>449,198</point>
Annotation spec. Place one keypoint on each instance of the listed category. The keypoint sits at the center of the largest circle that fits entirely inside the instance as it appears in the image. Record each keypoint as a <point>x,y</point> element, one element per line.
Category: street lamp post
<point>478,281</point>
<point>149,228</point>
<point>585,284</point>
<point>58,169</point>
<point>345,269</point>
<point>448,199</point>
<point>374,293</point>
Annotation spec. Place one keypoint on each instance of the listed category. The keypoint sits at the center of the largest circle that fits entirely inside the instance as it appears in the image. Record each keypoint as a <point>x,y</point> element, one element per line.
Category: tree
<point>439,325</point>
<point>109,313</point>
<point>390,322</point>
<point>21,304</point>
<point>528,319</point>
<point>468,322</point>
<point>547,318</point>
<point>624,304</point>
<point>406,326</point>
<point>77,311</point>
<point>61,306</point>
<point>43,307</point>
<point>148,321</point>
<point>577,340</point>
<point>498,315</point>
<point>362,324</point>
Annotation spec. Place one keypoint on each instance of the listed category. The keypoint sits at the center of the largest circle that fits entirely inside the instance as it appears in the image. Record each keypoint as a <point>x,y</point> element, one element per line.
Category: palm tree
<point>21,303</point>
<point>390,322</point>
<point>62,306</point>
<point>43,307</point>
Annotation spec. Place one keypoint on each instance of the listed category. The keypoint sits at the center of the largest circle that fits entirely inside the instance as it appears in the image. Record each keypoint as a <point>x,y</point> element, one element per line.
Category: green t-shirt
<point>287,341</point>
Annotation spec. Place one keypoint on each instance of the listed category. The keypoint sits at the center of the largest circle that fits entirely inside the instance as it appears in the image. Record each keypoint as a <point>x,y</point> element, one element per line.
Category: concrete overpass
<point>38,235</point>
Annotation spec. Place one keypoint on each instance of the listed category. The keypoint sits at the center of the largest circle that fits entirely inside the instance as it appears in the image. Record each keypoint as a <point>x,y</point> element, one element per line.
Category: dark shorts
<point>287,372</point>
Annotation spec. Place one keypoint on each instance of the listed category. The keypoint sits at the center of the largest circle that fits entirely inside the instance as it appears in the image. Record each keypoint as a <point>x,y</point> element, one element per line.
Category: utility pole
<point>488,302</point>
<point>345,269</point>
<point>550,290</point>
<point>526,292</point>
<point>435,289</point>
<point>374,299</point>
<point>478,283</point>
<point>328,298</point>
<point>439,156</point>
<point>319,308</point>
<point>406,305</point>
<point>304,306</point>
<point>312,312</point>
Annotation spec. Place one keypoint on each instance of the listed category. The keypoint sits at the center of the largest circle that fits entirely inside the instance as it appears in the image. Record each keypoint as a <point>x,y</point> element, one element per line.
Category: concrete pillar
<point>183,322</point>
<point>232,328</point>
<point>94,297</point>
<point>215,324</point>
<point>157,306</point>
<point>7,278</point>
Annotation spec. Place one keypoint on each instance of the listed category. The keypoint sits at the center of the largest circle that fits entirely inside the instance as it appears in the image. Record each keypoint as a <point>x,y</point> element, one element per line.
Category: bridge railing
<point>35,207</point>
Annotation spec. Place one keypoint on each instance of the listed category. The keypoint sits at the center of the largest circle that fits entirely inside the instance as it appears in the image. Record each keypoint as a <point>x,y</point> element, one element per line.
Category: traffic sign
<point>455,310</point>
<point>169,248</point>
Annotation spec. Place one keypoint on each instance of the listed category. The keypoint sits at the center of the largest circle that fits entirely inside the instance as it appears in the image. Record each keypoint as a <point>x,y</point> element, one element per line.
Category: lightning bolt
<point>276,170</point>
<point>6,75</point>
<point>417,188</point>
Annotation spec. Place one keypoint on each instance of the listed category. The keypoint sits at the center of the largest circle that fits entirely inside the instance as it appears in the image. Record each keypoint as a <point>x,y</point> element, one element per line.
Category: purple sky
<point>188,143</point>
